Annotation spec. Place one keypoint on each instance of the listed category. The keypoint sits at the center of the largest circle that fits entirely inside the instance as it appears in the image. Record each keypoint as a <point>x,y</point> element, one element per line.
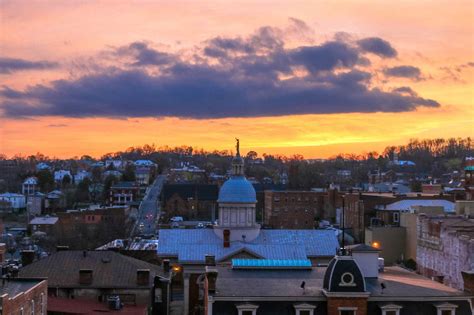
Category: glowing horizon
<point>427,52</point>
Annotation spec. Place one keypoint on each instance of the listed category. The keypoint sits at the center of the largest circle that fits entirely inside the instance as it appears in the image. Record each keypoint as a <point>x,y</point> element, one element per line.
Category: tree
<point>66,181</point>
<point>251,155</point>
<point>82,191</point>
<point>129,173</point>
<point>45,180</point>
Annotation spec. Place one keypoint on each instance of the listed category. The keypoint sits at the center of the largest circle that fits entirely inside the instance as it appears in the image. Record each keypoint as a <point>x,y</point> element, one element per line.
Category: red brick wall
<point>293,209</point>
<point>335,302</point>
<point>13,305</point>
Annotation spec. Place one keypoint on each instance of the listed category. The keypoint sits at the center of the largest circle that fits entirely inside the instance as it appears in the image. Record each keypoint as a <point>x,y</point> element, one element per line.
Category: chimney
<point>226,238</point>
<point>210,260</point>
<point>85,276</point>
<point>166,265</point>
<point>211,277</point>
<point>468,278</point>
<point>61,248</point>
<point>27,257</point>
<point>143,276</point>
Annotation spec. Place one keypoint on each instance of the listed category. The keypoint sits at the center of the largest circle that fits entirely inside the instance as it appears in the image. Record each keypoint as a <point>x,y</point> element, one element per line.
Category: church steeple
<point>237,161</point>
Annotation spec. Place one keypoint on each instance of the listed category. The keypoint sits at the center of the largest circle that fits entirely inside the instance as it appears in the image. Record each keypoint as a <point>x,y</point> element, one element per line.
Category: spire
<point>237,146</point>
<point>237,161</point>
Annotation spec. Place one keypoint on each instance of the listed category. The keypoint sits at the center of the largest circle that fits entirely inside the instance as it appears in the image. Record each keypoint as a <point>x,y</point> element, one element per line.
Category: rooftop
<point>410,204</point>
<point>44,220</point>
<point>110,269</point>
<point>14,287</point>
<point>398,282</point>
<point>194,245</point>
<point>125,185</point>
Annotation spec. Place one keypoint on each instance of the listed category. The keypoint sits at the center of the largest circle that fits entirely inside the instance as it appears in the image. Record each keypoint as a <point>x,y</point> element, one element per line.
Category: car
<point>177,219</point>
<point>200,225</point>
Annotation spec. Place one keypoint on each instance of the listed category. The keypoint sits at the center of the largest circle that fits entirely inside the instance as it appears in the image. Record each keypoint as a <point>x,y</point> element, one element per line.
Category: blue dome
<point>237,189</point>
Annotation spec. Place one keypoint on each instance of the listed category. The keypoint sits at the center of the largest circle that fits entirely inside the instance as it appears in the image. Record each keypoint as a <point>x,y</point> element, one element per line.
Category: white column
<point>210,302</point>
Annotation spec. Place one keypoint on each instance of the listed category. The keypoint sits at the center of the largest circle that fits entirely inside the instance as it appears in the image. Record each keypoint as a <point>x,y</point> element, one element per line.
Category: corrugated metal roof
<point>194,245</point>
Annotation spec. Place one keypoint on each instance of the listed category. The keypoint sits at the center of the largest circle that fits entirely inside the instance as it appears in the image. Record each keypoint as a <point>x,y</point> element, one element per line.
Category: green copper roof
<point>271,264</point>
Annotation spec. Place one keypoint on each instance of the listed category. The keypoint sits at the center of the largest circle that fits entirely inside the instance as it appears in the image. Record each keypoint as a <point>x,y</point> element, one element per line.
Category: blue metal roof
<point>194,245</point>
<point>271,263</point>
<point>237,189</point>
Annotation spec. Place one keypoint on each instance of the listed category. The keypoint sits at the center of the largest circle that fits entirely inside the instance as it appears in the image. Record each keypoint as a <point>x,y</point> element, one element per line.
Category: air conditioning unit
<point>114,302</point>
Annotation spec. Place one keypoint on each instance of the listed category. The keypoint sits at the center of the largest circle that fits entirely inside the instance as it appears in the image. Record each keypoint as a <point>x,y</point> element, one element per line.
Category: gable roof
<point>194,245</point>
<point>185,191</point>
<point>109,269</point>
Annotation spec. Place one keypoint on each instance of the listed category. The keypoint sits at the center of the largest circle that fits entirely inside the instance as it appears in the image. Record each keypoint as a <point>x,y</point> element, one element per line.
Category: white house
<point>59,175</point>
<point>17,201</point>
<point>81,175</point>
<point>30,186</point>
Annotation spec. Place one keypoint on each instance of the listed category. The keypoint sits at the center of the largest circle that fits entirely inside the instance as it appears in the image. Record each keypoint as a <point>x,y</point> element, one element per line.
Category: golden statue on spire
<point>237,146</point>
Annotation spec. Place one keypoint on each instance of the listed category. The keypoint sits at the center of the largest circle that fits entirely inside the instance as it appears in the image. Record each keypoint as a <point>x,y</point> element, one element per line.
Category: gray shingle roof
<point>110,269</point>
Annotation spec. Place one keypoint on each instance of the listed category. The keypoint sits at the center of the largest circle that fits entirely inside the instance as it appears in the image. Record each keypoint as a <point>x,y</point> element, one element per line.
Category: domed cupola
<point>237,189</point>
<point>237,200</point>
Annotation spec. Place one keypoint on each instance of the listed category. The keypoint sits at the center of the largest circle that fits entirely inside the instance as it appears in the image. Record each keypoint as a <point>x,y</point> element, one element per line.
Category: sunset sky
<point>309,77</point>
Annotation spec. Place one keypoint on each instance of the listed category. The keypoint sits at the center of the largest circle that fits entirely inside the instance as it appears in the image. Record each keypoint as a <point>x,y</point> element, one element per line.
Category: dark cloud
<point>144,55</point>
<point>233,77</point>
<point>328,56</point>
<point>9,65</point>
<point>404,72</point>
<point>405,90</point>
<point>204,92</point>
<point>377,46</point>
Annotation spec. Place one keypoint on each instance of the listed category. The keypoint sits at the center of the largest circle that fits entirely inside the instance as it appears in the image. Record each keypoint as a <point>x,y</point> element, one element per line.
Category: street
<point>149,209</point>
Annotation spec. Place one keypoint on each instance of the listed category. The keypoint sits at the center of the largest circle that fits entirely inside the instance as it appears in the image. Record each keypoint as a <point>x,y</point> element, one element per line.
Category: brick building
<point>123,193</point>
<point>190,201</point>
<point>445,248</point>
<point>298,209</point>
<point>361,210</point>
<point>92,227</point>
<point>95,276</point>
<point>23,296</point>
<point>253,286</point>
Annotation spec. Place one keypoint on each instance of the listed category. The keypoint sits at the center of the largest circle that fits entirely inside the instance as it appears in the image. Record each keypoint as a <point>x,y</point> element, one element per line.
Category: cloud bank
<point>226,77</point>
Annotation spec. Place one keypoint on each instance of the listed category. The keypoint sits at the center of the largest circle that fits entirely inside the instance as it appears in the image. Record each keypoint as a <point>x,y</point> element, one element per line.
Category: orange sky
<point>427,34</point>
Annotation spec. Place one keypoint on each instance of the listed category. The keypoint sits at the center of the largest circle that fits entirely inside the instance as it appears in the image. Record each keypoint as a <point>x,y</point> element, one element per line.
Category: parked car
<point>200,225</point>
<point>177,219</point>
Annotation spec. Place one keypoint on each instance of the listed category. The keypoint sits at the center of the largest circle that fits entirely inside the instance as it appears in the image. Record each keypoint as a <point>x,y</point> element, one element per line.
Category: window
<point>391,309</point>
<point>396,217</point>
<point>446,309</point>
<point>32,307</point>
<point>304,309</point>
<point>247,309</point>
<point>347,310</point>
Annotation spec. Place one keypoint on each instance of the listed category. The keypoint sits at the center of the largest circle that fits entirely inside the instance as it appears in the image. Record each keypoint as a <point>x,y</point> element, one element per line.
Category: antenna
<point>343,249</point>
